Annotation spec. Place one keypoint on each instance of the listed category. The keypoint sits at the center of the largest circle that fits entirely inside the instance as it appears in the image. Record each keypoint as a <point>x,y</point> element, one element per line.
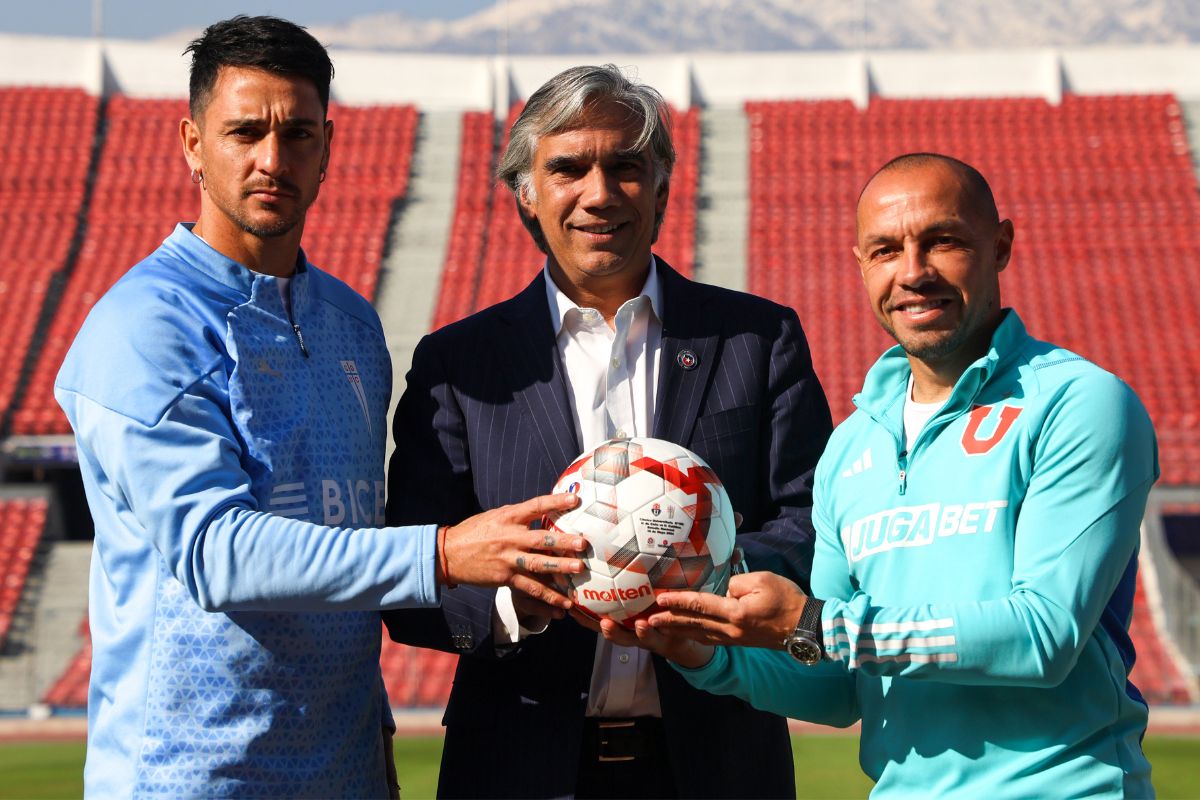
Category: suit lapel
<point>687,334</point>
<point>535,373</point>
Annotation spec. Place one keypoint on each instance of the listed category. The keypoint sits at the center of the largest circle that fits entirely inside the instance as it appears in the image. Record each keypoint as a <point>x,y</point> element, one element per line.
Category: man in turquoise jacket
<point>977,533</point>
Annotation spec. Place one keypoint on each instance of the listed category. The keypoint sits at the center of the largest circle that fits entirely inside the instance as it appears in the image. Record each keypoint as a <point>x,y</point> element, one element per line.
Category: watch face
<point>804,650</point>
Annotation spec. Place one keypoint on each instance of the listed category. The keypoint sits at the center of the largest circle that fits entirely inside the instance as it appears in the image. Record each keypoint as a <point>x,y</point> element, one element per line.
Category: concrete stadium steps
<point>723,199</point>
<point>22,521</point>
<point>1191,122</point>
<point>57,599</point>
<point>417,241</point>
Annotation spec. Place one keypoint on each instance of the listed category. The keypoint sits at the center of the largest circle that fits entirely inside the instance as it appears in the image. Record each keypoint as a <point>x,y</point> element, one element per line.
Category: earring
<point>197,176</point>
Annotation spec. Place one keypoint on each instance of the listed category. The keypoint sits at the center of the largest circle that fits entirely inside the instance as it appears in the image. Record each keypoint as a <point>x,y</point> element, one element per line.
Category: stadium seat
<point>22,521</point>
<point>70,690</point>
<point>45,151</point>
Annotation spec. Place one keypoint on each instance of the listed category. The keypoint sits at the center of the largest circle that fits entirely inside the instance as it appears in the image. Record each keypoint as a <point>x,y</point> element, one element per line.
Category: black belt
<point>621,740</point>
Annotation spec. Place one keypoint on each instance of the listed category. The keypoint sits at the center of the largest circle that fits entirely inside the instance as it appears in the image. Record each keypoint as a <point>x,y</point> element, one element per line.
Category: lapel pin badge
<point>687,359</point>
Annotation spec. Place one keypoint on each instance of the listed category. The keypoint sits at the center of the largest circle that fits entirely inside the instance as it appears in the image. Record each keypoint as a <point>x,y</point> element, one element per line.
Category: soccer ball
<point>656,518</point>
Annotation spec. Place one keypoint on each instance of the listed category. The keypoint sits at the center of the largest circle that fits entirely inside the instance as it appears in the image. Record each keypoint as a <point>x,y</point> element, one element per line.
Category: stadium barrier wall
<point>1172,591</point>
<point>443,82</point>
<point>52,61</point>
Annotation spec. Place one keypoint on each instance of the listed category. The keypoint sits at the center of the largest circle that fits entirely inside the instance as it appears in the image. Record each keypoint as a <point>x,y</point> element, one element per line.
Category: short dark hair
<point>977,185</point>
<point>267,43</point>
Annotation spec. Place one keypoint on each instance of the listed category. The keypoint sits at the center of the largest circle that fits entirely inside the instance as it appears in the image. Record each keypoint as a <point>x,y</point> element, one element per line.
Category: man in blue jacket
<point>229,402</point>
<point>977,533</point>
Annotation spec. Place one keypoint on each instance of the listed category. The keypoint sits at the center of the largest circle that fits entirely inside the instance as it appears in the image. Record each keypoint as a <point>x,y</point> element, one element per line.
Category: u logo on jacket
<point>971,443</point>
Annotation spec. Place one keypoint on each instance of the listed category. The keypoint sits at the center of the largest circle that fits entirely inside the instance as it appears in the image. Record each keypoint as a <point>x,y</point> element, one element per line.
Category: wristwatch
<point>804,643</point>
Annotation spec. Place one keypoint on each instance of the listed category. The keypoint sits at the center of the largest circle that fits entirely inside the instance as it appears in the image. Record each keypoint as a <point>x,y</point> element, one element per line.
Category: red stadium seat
<point>47,143</point>
<point>22,521</point>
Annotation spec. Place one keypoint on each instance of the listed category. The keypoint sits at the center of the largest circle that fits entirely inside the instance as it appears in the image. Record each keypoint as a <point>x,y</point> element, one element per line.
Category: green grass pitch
<point>829,765</point>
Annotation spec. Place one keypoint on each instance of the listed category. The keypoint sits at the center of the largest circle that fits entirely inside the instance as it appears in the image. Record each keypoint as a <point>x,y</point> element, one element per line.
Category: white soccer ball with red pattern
<point>656,518</point>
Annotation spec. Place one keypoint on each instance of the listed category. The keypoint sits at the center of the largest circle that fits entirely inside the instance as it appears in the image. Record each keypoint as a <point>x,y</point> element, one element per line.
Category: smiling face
<point>595,200</point>
<point>931,257</point>
<point>261,144</point>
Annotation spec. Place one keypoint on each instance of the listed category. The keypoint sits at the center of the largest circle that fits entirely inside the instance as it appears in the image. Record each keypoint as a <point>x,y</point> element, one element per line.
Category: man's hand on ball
<point>497,548</point>
<point>680,649</point>
<point>760,609</point>
<point>534,614</point>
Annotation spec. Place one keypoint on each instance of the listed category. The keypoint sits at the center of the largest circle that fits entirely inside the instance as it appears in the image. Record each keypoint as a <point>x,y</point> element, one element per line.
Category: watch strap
<point>810,621</point>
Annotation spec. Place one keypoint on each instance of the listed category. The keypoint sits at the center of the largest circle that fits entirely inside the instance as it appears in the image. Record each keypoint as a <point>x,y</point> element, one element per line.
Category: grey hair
<point>561,104</point>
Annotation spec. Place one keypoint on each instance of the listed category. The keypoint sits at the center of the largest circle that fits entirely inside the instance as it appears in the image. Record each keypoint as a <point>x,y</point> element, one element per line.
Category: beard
<point>932,346</point>
<point>264,222</point>
<point>268,229</point>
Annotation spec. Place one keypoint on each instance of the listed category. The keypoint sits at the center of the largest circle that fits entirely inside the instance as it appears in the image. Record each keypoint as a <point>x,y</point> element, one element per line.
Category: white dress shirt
<point>612,374</point>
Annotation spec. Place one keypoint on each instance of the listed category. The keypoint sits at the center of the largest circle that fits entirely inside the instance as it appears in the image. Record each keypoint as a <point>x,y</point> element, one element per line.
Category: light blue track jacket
<point>978,588</point>
<point>233,461</point>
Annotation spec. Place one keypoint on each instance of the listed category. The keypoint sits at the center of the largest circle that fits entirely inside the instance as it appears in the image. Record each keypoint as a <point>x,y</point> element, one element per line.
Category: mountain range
<point>544,27</point>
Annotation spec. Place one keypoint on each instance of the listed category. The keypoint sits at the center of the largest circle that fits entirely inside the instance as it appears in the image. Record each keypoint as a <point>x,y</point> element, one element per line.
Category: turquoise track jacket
<point>979,587</point>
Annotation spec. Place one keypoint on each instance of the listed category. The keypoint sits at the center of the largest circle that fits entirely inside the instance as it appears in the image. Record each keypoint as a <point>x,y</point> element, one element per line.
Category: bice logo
<point>616,593</point>
<point>351,371</point>
<point>573,488</point>
<point>971,443</point>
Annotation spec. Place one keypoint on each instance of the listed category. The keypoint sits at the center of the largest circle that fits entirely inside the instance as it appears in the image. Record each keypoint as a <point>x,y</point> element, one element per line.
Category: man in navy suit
<point>606,341</point>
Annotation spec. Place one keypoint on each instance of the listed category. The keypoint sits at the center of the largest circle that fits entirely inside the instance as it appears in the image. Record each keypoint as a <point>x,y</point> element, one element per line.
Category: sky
<point>146,19</point>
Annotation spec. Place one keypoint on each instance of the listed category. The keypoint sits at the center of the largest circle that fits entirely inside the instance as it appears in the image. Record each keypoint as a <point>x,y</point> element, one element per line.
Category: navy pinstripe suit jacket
<point>485,420</point>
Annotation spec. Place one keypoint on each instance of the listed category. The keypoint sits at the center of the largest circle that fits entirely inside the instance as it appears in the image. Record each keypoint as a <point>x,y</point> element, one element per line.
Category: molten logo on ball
<point>616,593</point>
<point>635,550</point>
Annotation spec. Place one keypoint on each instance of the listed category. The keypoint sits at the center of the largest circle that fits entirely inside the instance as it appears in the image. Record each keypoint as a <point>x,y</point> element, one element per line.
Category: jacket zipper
<point>300,339</point>
<point>902,465</point>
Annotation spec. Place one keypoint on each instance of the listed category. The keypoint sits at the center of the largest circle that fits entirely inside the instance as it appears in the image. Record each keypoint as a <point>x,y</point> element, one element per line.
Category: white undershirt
<point>285,294</point>
<point>917,415</point>
<point>612,374</point>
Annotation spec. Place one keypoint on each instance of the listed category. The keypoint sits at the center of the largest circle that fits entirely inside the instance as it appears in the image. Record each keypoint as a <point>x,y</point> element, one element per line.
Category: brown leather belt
<point>620,740</point>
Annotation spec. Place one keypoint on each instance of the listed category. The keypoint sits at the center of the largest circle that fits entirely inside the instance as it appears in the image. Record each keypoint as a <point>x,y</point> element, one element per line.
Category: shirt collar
<point>193,250</point>
<point>560,304</point>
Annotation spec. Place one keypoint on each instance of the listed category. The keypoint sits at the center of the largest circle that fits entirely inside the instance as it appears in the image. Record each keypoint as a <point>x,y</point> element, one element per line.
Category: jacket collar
<point>539,380</point>
<point>561,305</point>
<point>882,395</point>
<point>198,254</point>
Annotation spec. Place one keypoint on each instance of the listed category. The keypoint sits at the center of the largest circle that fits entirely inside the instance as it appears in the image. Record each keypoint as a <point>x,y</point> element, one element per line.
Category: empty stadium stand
<point>70,690</point>
<point>22,521</point>
<point>1101,189</point>
<point>346,230</point>
<point>472,211</point>
<point>1102,194</point>
<point>142,189</point>
<point>416,678</point>
<point>45,150</point>
<point>1155,672</point>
